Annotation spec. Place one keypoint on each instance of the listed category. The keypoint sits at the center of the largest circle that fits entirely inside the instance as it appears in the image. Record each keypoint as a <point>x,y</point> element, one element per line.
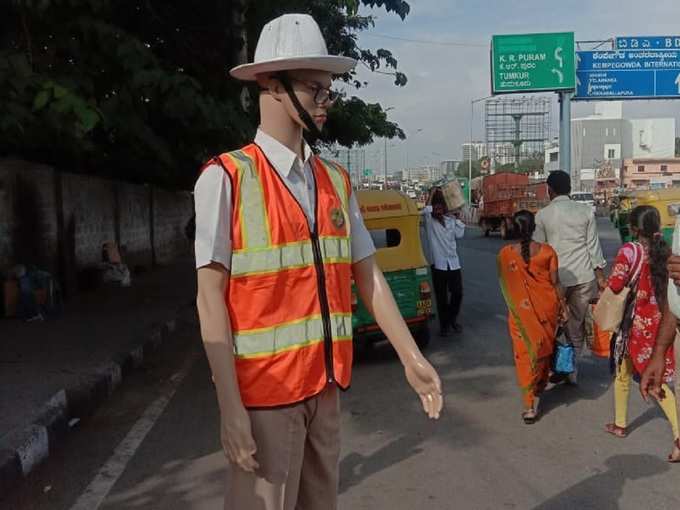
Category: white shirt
<point>571,229</point>
<point>212,196</point>
<point>442,239</point>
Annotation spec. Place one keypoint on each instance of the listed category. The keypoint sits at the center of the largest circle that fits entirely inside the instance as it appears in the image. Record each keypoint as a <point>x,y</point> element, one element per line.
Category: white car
<point>584,198</point>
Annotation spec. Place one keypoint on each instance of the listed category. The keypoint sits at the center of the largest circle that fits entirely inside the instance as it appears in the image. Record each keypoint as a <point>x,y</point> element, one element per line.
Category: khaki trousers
<point>298,449</point>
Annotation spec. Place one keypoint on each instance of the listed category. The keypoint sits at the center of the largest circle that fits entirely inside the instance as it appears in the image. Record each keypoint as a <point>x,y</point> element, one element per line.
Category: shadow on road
<point>604,490</point>
<point>356,467</point>
<point>593,383</point>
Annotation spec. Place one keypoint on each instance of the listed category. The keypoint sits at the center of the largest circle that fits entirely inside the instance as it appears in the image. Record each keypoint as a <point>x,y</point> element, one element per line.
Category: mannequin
<point>282,120</point>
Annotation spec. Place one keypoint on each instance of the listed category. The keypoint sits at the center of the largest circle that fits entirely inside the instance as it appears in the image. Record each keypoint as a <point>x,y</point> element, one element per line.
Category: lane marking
<point>96,492</point>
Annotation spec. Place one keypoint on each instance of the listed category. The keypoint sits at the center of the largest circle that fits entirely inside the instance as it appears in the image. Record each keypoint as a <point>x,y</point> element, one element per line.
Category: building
<point>354,160</point>
<point>642,173</point>
<point>552,157</point>
<point>474,151</point>
<point>448,168</point>
<point>423,173</point>
<point>606,138</point>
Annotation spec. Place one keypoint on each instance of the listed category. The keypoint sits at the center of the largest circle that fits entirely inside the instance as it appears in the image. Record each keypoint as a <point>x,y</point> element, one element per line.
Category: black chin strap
<point>306,118</point>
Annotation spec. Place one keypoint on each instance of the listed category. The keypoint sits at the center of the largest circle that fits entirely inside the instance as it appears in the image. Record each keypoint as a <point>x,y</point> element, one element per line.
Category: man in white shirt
<point>442,229</point>
<point>571,229</point>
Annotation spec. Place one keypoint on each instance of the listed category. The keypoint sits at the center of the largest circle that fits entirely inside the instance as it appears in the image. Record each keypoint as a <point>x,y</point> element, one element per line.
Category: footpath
<point>54,372</point>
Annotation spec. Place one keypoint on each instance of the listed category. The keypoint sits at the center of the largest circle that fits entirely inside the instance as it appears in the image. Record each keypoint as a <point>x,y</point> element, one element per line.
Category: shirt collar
<point>561,198</point>
<point>281,157</point>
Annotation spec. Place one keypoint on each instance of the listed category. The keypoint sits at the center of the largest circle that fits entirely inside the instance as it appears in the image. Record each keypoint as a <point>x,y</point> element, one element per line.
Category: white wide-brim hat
<point>292,41</point>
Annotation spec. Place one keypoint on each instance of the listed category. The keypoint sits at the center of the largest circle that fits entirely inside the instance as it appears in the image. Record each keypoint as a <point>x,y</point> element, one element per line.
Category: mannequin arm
<point>236,433</point>
<point>377,296</point>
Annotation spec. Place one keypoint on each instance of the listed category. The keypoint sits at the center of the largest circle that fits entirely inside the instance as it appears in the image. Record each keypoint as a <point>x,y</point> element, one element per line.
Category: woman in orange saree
<point>530,284</point>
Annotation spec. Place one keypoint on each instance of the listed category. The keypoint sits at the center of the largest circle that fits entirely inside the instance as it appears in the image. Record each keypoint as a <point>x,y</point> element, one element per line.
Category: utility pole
<point>385,167</point>
<point>565,137</point>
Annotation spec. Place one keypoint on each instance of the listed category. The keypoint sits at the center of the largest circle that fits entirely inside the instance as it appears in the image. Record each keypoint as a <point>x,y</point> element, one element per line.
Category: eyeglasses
<point>322,95</point>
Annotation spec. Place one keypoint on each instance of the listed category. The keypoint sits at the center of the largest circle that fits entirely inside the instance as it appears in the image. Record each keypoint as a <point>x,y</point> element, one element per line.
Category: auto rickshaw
<point>393,220</point>
<point>659,198</point>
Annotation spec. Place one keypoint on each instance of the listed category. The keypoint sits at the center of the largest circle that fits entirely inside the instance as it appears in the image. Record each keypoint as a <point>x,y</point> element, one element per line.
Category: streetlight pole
<point>472,116</point>
<point>419,130</point>
<point>385,160</point>
<point>385,167</point>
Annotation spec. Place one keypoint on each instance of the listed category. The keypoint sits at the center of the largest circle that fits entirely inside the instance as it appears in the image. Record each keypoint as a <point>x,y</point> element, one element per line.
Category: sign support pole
<point>565,136</point>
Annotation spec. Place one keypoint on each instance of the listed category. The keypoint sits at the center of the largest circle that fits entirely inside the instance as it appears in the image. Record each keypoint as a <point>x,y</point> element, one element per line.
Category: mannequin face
<point>309,88</point>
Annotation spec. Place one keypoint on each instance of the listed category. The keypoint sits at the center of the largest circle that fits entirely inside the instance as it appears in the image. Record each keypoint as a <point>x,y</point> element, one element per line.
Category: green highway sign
<point>532,63</point>
<point>368,172</point>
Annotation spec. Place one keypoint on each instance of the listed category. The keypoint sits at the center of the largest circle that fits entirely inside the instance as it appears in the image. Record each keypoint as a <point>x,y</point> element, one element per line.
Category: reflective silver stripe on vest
<point>254,223</point>
<point>290,336</point>
<point>334,250</point>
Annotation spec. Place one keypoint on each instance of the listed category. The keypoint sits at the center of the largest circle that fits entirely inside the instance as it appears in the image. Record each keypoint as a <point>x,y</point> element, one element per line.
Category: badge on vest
<point>337,218</point>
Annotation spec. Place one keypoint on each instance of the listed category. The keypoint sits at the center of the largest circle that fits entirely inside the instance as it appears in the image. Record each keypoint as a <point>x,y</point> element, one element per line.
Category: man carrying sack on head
<point>279,237</point>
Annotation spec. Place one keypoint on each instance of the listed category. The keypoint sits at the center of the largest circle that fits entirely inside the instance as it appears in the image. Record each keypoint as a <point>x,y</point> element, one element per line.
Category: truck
<point>505,193</point>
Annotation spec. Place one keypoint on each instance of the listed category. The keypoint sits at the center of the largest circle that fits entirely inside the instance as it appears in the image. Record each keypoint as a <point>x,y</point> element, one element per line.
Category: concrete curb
<point>24,448</point>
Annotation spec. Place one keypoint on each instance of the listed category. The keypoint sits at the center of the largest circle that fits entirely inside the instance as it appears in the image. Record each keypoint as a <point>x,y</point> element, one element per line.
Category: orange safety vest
<point>289,297</point>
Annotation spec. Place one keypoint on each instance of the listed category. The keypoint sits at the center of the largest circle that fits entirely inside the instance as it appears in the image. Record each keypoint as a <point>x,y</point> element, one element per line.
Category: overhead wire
<point>424,41</point>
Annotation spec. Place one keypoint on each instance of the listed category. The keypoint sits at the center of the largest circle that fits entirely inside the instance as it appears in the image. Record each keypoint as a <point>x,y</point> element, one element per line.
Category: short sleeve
<point>540,235</point>
<point>212,197</point>
<point>362,242</point>
<point>622,266</point>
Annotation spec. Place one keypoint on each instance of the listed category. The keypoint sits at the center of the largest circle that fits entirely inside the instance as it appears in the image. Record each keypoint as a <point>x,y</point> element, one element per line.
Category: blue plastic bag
<point>564,359</point>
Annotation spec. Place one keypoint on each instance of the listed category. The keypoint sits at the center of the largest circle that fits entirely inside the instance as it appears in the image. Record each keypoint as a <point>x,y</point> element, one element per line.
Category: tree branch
<point>27,34</point>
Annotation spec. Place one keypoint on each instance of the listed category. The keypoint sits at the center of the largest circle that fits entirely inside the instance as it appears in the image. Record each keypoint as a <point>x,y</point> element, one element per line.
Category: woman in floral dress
<point>641,265</point>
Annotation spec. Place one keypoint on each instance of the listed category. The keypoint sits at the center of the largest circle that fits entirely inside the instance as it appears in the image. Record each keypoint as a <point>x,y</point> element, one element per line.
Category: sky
<point>446,74</point>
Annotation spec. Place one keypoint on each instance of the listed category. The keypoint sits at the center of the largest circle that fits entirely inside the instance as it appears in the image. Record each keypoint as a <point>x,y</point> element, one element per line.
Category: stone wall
<point>171,211</point>
<point>28,223</point>
<point>59,221</point>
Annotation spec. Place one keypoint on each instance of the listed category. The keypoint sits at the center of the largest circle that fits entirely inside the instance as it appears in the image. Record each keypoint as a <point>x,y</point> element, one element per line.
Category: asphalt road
<point>155,444</point>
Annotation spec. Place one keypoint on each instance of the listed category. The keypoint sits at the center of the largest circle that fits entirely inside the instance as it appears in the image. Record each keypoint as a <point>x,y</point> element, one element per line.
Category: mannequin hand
<point>237,440</point>
<point>425,381</point>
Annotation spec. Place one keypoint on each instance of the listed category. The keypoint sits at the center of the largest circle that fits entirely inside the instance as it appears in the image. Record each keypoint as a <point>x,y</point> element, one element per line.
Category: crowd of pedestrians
<point>551,277</point>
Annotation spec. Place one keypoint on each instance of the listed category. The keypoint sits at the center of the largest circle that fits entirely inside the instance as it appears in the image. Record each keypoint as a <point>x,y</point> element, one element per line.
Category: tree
<point>139,91</point>
<point>463,169</point>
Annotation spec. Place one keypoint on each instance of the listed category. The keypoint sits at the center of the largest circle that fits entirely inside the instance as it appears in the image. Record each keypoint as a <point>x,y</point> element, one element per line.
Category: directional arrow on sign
<point>677,82</point>
<point>558,57</point>
<point>560,75</point>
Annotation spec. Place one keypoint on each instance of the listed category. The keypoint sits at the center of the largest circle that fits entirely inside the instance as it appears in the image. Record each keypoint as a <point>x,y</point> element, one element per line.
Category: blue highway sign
<point>627,74</point>
<point>666,42</point>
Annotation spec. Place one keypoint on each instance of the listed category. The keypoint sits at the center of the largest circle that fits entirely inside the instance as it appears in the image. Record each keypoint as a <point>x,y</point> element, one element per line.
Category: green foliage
<point>139,90</point>
<point>464,169</point>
